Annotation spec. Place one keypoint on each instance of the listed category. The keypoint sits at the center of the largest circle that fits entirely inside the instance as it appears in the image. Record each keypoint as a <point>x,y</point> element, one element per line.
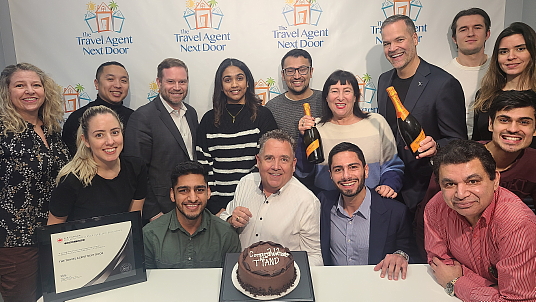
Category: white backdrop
<point>69,39</point>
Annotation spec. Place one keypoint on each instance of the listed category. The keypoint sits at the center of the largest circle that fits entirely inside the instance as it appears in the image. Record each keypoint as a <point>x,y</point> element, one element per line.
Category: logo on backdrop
<point>104,22</point>
<point>203,19</point>
<point>266,89</point>
<point>153,91</point>
<point>367,91</point>
<point>410,8</point>
<point>74,97</point>
<point>302,18</point>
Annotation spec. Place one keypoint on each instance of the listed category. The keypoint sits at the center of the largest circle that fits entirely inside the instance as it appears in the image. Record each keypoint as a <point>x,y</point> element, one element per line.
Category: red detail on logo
<point>60,240</point>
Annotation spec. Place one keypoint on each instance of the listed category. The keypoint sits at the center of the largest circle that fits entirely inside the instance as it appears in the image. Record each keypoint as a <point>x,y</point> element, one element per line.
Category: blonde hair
<point>51,112</point>
<point>83,165</point>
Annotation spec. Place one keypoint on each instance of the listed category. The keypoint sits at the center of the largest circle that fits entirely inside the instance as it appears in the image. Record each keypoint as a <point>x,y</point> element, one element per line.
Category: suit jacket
<point>152,135</point>
<point>436,99</point>
<point>390,227</point>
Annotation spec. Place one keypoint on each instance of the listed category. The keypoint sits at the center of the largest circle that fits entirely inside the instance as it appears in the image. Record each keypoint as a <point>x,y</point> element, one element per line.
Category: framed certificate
<point>87,256</point>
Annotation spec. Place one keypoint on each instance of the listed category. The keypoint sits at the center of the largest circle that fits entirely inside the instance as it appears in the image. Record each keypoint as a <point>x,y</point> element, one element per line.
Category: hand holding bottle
<point>427,147</point>
<point>305,123</point>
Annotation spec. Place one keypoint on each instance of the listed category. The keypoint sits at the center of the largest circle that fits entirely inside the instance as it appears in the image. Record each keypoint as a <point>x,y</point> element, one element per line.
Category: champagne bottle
<point>410,129</point>
<point>312,141</point>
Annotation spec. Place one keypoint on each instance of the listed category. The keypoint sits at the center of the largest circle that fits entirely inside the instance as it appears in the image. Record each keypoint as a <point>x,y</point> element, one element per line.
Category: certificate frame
<point>118,273</point>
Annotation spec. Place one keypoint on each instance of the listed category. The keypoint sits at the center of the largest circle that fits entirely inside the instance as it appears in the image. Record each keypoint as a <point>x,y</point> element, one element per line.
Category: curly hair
<point>83,165</point>
<point>50,113</point>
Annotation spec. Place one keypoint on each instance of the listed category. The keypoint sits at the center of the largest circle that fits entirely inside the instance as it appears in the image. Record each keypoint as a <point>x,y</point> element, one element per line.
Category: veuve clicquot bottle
<point>410,129</point>
<point>312,141</point>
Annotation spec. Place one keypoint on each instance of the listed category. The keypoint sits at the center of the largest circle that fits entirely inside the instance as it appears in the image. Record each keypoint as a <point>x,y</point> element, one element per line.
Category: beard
<point>296,92</point>
<point>190,216</point>
<point>360,187</point>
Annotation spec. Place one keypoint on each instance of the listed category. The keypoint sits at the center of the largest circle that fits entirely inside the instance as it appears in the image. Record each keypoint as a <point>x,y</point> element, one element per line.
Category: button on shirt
<point>350,234</point>
<point>290,217</point>
<point>168,245</point>
<point>179,117</point>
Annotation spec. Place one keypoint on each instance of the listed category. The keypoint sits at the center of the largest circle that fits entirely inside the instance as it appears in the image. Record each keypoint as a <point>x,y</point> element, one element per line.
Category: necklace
<point>234,116</point>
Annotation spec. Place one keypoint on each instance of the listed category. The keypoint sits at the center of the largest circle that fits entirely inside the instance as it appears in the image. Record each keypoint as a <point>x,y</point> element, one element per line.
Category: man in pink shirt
<point>479,237</point>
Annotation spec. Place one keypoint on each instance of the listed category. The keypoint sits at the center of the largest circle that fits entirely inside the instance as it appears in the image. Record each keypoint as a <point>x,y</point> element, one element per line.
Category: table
<point>333,283</point>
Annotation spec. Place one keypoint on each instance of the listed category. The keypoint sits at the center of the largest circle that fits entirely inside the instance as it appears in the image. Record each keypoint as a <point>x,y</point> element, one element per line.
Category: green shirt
<point>169,245</point>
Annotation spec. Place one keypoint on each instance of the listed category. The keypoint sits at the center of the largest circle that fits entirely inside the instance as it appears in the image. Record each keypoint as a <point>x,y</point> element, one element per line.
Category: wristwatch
<point>449,289</point>
<point>403,254</point>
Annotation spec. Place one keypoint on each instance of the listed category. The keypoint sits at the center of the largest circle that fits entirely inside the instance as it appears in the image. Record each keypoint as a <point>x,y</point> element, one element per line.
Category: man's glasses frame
<point>290,71</point>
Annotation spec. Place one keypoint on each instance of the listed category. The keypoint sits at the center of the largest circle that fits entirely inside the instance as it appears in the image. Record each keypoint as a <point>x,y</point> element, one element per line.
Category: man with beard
<point>357,225</point>
<point>162,133</point>
<point>190,236</point>
<point>470,31</point>
<point>287,108</point>
<point>433,96</point>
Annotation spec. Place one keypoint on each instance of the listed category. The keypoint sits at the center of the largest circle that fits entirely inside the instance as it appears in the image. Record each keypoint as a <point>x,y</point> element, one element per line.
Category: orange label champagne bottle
<point>312,141</point>
<point>410,129</point>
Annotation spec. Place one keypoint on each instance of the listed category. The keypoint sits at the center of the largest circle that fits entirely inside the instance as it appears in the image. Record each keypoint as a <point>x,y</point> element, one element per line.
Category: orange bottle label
<point>312,147</point>
<point>415,144</point>
<point>401,111</point>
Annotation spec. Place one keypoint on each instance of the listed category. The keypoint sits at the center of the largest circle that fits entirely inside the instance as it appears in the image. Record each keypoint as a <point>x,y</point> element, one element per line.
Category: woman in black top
<point>98,181</point>
<point>31,154</point>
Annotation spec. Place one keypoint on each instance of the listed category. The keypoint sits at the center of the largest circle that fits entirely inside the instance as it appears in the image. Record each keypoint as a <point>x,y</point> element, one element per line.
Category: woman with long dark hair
<point>228,135</point>
<point>512,67</point>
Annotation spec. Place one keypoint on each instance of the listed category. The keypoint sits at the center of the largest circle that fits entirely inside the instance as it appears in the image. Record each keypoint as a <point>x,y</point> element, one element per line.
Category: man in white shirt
<point>272,205</point>
<point>470,31</point>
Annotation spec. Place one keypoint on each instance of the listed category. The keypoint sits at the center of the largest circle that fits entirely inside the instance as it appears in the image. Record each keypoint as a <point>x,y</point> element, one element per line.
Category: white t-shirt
<point>469,78</point>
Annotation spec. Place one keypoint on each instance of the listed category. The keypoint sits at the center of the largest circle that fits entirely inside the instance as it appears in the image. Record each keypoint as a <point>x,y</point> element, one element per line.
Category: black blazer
<point>152,135</point>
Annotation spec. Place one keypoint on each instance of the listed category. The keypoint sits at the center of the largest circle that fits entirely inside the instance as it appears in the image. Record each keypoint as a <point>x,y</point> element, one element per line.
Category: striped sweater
<point>228,151</point>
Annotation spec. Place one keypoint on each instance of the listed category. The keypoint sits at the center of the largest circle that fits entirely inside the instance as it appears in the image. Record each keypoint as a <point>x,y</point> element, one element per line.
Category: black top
<point>28,171</point>
<point>103,196</point>
<point>73,121</point>
<point>401,86</point>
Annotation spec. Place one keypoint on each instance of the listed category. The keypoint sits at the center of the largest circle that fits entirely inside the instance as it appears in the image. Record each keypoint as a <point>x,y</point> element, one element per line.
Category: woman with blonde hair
<point>512,67</point>
<point>98,181</point>
<point>31,154</point>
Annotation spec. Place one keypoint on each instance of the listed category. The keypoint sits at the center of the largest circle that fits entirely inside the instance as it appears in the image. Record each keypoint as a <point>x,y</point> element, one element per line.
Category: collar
<point>364,208</point>
<point>100,101</point>
<point>175,225</point>
<point>170,109</point>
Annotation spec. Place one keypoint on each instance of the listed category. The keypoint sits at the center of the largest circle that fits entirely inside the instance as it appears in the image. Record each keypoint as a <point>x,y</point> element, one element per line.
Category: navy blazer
<point>436,99</point>
<point>152,135</point>
<point>390,227</point>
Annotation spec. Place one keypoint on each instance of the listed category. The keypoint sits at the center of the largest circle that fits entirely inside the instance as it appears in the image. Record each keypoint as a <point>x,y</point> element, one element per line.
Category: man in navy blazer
<point>433,96</point>
<point>162,132</point>
<point>357,225</point>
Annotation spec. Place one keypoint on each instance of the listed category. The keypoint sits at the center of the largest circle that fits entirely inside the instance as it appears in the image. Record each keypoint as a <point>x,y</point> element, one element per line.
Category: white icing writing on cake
<point>269,258</point>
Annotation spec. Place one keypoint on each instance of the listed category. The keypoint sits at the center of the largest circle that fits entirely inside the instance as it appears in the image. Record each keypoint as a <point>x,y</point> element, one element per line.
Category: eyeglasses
<point>290,71</point>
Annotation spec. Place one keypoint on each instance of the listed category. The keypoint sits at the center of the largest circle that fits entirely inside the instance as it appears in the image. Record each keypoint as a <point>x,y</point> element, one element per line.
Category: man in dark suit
<point>357,225</point>
<point>162,132</point>
<point>433,96</point>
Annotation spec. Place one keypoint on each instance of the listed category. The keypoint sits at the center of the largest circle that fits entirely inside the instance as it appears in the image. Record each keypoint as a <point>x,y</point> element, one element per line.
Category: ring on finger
<point>237,218</point>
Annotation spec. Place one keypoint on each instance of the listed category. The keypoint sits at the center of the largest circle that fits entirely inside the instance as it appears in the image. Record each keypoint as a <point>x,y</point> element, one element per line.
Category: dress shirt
<point>168,245</point>
<point>179,117</point>
<point>350,235</point>
<point>498,250</point>
<point>290,217</point>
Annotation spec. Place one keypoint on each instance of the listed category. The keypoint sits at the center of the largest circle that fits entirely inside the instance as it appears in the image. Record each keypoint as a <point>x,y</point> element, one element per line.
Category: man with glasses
<point>297,71</point>
<point>162,132</point>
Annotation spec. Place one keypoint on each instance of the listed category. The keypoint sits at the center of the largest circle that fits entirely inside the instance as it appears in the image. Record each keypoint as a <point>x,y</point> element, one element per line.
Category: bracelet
<point>403,254</point>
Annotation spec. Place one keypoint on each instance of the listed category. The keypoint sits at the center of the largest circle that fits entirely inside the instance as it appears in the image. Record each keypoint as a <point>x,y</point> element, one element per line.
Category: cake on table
<point>266,268</point>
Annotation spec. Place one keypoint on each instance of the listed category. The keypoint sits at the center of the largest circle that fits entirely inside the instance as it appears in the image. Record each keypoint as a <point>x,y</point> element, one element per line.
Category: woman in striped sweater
<point>228,135</point>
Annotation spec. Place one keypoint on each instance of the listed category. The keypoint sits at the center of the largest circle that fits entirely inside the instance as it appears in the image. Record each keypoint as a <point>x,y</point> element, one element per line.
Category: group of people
<point>240,175</point>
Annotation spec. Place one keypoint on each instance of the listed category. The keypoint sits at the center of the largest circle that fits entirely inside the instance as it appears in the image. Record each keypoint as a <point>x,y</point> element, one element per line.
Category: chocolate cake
<point>266,269</point>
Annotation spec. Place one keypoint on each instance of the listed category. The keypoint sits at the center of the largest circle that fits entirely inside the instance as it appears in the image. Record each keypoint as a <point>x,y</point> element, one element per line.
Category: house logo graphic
<point>74,98</point>
<point>367,88</point>
<point>203,14</point>
<point>104,17</point>
<point>302,12</point>
<point>266,89</point>
<point>410,8</point>
<point>153,91</point>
